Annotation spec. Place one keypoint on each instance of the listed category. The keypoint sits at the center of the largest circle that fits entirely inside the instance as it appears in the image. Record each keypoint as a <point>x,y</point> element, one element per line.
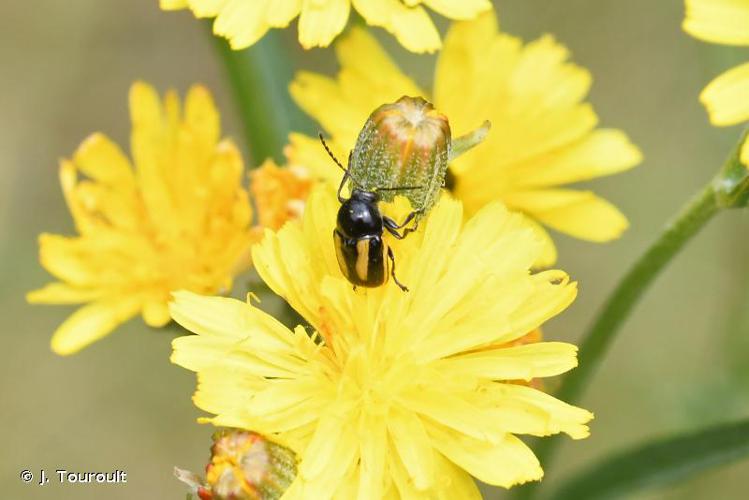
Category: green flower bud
<point>403,145</point>
<point>407,144</point>
<point>244,466</point>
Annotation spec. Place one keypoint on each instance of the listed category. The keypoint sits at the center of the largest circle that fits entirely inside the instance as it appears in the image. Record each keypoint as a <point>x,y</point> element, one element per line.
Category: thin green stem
<point>596,342</point>
<point>259,77</point>
<point>690,220</point>
<point>727,190</point>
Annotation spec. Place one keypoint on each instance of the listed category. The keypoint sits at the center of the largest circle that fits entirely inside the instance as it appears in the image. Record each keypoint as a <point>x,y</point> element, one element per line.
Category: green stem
<point>692,218</point>
<point>617,308</point>
<point>259,77</point>
<point>728,189</point>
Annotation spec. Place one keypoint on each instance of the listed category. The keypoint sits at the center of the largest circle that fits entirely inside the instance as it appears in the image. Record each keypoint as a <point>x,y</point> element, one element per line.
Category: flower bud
<point>278,193</point>
<point>408,144</point>
<point>244,466</point>
<point>403,144</point>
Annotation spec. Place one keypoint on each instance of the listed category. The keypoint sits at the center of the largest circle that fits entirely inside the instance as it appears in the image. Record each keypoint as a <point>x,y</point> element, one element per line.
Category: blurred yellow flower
<point>726,22</point>
<point>244,22</point>
<point>394,395</point>
<point>178,219</point>
<point>543,134</point>
<point>279,193</point>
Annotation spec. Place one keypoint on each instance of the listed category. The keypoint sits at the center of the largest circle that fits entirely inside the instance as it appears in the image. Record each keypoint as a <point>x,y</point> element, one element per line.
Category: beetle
<point>363,255</point>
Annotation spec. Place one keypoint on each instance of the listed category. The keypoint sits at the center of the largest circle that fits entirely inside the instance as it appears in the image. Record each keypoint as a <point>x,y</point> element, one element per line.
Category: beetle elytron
<point>363,256</point>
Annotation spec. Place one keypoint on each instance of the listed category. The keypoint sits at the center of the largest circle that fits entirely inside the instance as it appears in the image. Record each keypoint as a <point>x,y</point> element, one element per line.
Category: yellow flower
<point>178,219</point>
<point>726,22</point>
<point>405,394</point>
<point>279,193</point>
<point>543,134</point>
<point>244,22</point>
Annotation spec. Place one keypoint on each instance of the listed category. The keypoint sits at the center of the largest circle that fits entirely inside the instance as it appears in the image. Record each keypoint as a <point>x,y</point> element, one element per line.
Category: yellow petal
<point>307,153</point>
<point>92,322</point>
<point>460,9</point>
<point>411,25</point>
<point>148,141</point>
<point>603,152</point>
<point>68,175</point>
<point>199,352</point>
<point>413,446</point>
<point>321,21</point>
<point>330,451</point>
<point>532,95</point>
<point>67,260</point>
<point>448,482</point>
<point>373,457</point>
<point>556,416</point>
<point>548,256</point>
<point>579,213</point>
<point>287,396</point>
<point>201,117</point>
<point>280,12</point>
<point>282,258</point>
<point>459,484</point>
<point>504,464</point>
<point>377,65</point>
<point>745,153</point>
<point>464,48</point>
<point>522,362</point>
<point>726,97</point>
<point>552,293</point>
<point>718,21</point>
<point>490,234</point>
<point>172,4</point>
<point>242,22</point>
<point>102,204</point>
<point>342,105</point>
<point>320,97</point>
<point>226,392</point>
<point>451,410</point>
<point>103,160</point>
<point>63,293</point>
<point>156,313</point>
<point>226,317</point>
<point>206,8</point>
<point>414,30</point>
<point>146,112</point>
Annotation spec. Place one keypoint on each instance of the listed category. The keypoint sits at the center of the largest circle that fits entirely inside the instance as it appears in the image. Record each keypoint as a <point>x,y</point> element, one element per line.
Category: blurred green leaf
<point>659,463</point>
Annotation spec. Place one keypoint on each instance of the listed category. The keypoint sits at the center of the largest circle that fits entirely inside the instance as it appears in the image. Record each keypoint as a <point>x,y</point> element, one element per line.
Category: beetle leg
<point>392,270</point>
<point>393,226</point>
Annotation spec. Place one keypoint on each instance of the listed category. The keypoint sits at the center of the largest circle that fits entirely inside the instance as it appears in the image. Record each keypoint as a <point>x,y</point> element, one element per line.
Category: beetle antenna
<point>330,153</point>
<point>400,188</point>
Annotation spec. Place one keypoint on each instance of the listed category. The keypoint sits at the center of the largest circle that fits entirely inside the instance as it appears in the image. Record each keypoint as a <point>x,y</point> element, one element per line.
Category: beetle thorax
<point>359,216</point>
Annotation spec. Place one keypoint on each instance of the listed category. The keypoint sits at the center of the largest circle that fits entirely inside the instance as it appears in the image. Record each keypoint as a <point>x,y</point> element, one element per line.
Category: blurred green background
<point>680,363</point>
